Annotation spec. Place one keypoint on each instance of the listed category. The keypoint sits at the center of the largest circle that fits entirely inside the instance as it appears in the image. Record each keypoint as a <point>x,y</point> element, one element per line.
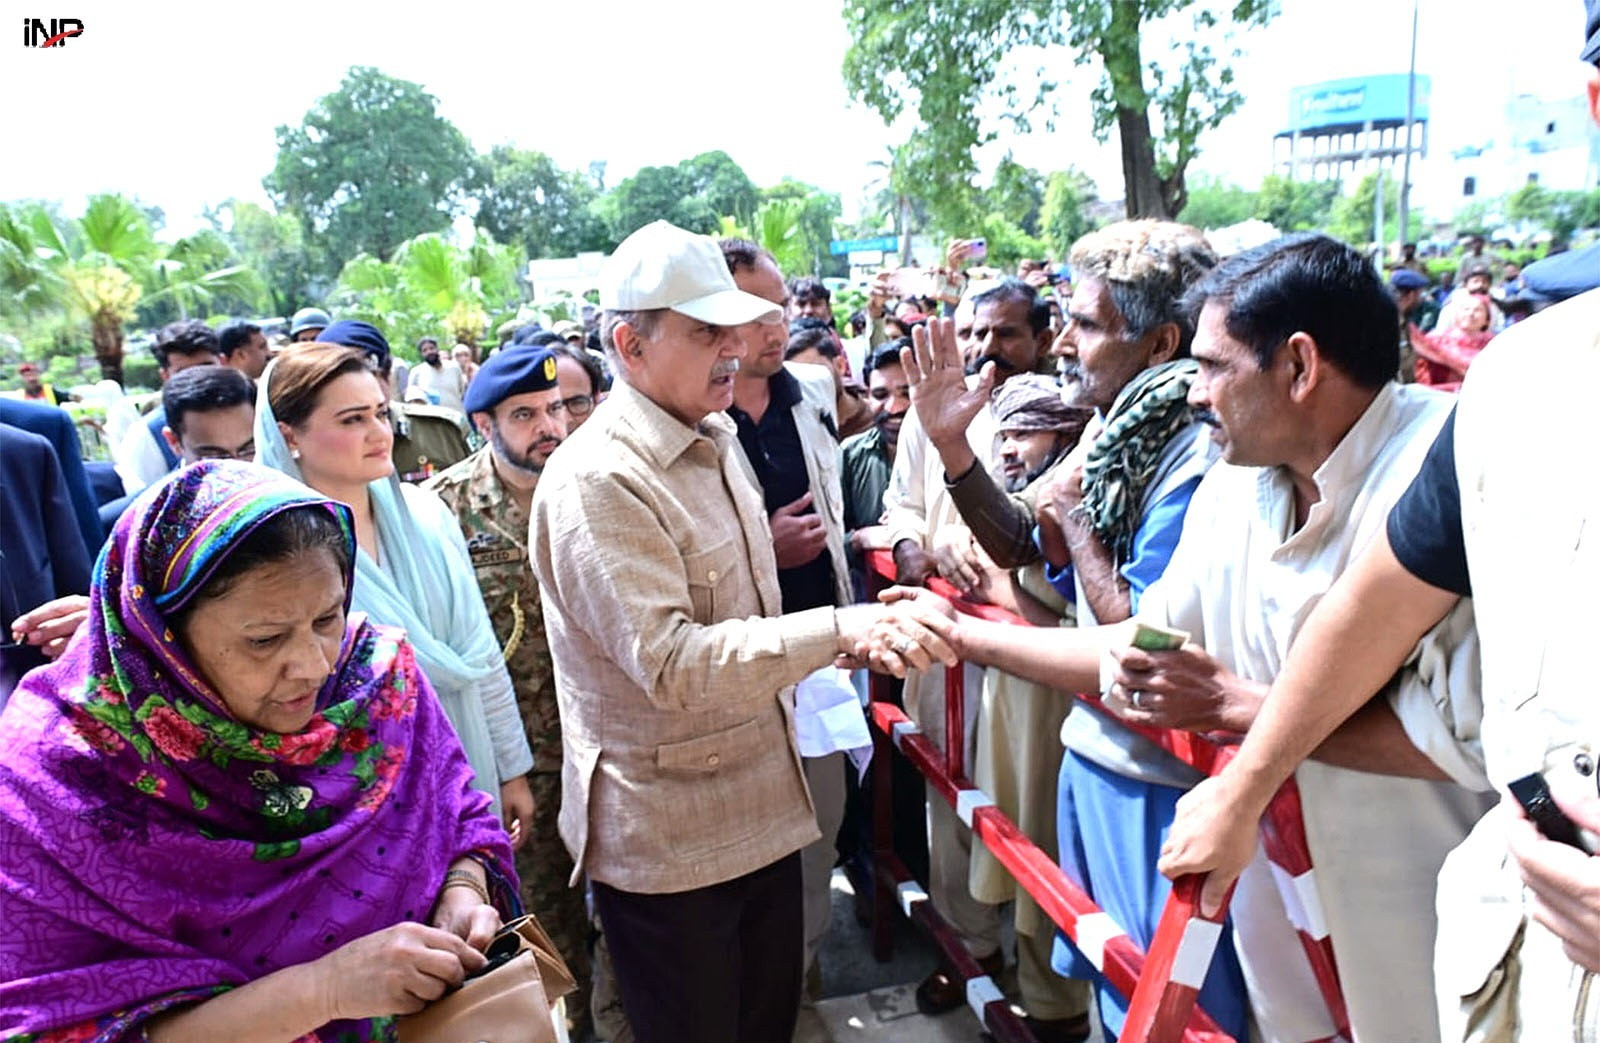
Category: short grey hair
<point>1147,266</point>
<point>644,323</point>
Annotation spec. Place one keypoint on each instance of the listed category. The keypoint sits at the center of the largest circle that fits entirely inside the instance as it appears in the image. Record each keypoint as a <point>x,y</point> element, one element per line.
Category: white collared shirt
<point>1242,581</point>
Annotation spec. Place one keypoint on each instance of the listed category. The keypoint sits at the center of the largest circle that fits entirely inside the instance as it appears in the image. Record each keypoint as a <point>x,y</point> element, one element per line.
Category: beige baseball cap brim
<point>730,308</point>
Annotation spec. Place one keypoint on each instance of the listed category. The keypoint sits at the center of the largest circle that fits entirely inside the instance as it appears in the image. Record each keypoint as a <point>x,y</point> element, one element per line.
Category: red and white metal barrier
<point>1161,986</point>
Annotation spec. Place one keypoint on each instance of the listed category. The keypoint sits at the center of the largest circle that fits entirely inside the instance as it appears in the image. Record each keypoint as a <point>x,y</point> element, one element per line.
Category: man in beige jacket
<point>683,798</point>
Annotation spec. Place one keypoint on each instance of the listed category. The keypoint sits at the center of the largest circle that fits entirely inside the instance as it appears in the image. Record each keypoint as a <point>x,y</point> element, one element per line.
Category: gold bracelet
<point>464,878</point>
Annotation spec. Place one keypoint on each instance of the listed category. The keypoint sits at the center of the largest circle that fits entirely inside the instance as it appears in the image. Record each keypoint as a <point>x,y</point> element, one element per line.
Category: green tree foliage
<point>1352,215</point>
<point>1213,204</point>
<point>1296,206</point>
<point>527,199</point>
<point>776,229</point>
<point>372,165</point>
<point>947,60</point>
<point>818,210</point>
<point>695,194</point>
<point>1017,192</point>
<point>902,197</point>
<point>1063,217</point>
<point>274,247</point>
<point>29,287</point>
<point>1557,212</point>
<point>1008,243</point>
<point>431,288</point>
<point>658,192</point>
<point>99,267</point>
<point>723,184</point>
<point>200,274</point>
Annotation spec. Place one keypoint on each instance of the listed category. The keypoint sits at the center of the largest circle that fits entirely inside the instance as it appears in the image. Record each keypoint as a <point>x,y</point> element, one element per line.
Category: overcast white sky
<point>177,102</point>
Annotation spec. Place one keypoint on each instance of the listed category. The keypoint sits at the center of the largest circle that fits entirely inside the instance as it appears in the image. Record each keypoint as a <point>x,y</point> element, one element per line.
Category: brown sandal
<point>944,990</point>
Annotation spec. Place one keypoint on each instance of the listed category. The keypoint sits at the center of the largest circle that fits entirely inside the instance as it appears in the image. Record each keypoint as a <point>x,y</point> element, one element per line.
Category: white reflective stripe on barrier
<point>970,800</point>
<point>1300,901</point>
<point>900,729</point>
<point>982,991</point>
<point>1094,931</point>
<point>1193,958</point>
<point>909,894</point>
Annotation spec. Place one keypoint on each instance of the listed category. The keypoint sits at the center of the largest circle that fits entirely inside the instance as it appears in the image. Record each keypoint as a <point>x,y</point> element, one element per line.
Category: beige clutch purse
<point>515,999</point>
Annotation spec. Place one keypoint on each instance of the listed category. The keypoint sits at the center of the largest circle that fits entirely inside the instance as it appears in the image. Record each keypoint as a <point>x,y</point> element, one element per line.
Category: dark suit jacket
<point>41,554</point>
<point>58,429</point>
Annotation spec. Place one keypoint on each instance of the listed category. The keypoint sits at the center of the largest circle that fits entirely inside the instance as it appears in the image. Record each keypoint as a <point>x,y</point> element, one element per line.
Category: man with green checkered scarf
<point>1104,522</point>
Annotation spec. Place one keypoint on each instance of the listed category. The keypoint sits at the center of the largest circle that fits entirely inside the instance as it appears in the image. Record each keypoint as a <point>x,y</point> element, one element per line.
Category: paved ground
<point>871,1002</point>
<point>866,1000</point>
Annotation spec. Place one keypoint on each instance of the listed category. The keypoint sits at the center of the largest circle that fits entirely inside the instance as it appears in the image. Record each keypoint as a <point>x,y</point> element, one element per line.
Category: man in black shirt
<point>789,432</point>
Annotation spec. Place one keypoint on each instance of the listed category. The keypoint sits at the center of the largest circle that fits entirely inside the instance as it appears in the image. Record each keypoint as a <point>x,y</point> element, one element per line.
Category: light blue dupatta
<point>426,585</point>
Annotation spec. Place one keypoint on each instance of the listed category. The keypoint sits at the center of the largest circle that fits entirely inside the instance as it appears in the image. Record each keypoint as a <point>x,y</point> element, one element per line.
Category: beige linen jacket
<point>674,671</point>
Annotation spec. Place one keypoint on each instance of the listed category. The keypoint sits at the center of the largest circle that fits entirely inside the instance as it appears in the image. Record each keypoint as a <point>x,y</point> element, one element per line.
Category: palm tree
<point>98,267</point>
<point>898,196</point>
<point>28,286</point>
<point>195,272</point>
<point>431,287</point>
<point>101,259</point>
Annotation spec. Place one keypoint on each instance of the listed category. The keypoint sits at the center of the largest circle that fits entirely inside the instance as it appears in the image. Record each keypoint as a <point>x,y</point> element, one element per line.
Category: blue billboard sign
<point>1360,99</point>
<point>884,243</point>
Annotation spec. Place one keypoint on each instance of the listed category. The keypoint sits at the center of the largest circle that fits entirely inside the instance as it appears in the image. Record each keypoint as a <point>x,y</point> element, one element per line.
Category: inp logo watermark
<point>36,32</point>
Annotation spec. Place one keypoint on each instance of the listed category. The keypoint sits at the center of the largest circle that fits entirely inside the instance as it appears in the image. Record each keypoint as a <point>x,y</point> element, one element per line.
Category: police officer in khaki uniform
<point>516,405</point>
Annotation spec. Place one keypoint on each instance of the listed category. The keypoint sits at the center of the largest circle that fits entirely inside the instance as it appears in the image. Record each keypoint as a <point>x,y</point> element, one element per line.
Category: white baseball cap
<point>663,266</point>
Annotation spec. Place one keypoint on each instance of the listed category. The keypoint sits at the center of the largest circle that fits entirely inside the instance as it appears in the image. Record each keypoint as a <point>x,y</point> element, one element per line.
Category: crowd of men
<point>1370,584</point>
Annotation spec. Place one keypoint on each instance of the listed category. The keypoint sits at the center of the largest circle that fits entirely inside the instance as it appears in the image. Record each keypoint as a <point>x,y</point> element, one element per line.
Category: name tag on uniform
<point>496,556</point>
<point>486,549</point>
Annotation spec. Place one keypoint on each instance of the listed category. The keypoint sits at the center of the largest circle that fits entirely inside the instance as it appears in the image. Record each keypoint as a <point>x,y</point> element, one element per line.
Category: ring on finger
<point>1136,697</point>
<point>904,645</point>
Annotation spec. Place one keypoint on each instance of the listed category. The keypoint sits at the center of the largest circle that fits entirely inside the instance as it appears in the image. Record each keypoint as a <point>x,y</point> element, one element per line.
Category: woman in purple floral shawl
<point>228,811</point>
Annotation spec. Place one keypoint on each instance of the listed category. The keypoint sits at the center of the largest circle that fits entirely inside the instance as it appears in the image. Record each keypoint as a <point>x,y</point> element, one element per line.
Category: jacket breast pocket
<point>709,754</point>
<point>710,576</point>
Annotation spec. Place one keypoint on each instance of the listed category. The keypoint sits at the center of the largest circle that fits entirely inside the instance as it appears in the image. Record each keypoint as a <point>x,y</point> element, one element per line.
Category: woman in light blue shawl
<point>322,417</point>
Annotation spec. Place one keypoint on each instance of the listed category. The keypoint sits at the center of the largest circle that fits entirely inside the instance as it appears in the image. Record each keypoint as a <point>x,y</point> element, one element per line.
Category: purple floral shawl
<point>154,851</point>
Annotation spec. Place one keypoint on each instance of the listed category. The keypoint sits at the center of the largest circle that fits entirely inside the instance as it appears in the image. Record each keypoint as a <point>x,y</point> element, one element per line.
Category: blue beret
<point>1406,279</point>
<point>513,370</point>
<point>363,335</point>
<point>1591,43</point>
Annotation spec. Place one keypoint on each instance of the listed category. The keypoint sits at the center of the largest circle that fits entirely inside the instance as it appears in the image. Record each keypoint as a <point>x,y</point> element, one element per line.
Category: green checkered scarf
<point>1147,413</point>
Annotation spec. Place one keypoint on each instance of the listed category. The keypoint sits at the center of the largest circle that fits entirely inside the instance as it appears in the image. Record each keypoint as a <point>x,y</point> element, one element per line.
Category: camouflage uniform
<point>496,531</point>
<point>428,439</point>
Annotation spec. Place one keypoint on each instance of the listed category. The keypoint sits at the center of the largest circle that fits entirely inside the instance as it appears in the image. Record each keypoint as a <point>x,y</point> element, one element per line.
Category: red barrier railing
<point>1161,985</point>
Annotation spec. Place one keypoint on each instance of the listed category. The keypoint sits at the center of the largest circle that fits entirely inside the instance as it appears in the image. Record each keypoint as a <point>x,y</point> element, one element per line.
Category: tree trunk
<point>107,339</point>
<point>1141,185</point>
<point>1119,49</point>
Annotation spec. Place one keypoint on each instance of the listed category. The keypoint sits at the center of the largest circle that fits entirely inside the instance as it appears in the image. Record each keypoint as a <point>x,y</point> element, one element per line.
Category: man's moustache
<point>1206,416</point>
<point>725,368</point>
<point>1002,366</point>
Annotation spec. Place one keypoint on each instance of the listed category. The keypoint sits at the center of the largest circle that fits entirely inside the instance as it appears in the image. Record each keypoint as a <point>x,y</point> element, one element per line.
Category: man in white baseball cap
<point>683,797</point>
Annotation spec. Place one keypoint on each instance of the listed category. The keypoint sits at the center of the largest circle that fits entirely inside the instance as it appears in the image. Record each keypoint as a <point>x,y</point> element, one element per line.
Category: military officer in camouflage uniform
<point>516,405</point>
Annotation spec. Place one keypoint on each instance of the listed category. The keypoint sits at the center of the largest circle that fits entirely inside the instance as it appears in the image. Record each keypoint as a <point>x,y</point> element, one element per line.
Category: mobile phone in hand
<point>977,249</point>
<point>1533,793</point>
